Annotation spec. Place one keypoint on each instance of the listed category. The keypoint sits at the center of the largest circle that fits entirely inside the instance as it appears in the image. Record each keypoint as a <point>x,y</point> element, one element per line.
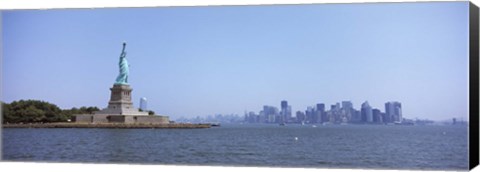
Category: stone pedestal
<point>120,110</point>
<point>121,102</point>
<point>125,119</point>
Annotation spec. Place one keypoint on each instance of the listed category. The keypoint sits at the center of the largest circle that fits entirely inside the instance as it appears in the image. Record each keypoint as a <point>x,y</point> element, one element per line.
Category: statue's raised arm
<point>123,54</point>
<point>122,78</point>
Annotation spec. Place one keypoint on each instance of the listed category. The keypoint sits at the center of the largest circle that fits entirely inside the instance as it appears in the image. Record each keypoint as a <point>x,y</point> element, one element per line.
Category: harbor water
<point>293,145</point>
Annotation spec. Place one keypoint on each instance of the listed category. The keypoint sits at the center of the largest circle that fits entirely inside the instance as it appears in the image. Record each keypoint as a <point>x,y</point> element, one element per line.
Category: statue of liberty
<point>122,78</point>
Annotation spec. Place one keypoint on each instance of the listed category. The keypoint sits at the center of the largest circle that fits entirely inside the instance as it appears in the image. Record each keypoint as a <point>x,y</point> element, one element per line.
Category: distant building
<point>320,107</point>
<point>245,118</point>
<point>384,117</point>
<point>331,116</point>
<point>366,111</point>
<point>347,105</point>
<point>320,110</point>
<point>289,113</point>
<point>252,117</point>
<point>262,117</point>
<point>393,111</point>
<point>312,117</point>
<point>347,111</point>
<point>357,116</point>
<point>336,115</point>
<point>377,116</point>
<point>285,112</point>
<point>271,114</point>
<point>283,104</point>
<point>334,107</point>
<point>143,104</point>
<point>300,116</point>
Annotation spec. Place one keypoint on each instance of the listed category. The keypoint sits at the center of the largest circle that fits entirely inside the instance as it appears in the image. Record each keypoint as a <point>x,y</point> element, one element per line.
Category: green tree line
<point>34,111</point>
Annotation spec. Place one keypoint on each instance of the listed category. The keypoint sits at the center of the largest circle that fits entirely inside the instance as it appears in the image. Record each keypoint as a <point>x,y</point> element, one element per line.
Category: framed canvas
<point>376,85</point>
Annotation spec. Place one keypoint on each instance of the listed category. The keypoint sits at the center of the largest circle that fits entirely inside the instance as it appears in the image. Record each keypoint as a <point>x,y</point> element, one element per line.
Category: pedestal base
<point>126,119</point>
<point>121,102</point>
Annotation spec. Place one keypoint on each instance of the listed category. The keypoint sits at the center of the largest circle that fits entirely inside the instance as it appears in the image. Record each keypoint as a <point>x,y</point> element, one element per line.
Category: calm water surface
<point>334,146</point>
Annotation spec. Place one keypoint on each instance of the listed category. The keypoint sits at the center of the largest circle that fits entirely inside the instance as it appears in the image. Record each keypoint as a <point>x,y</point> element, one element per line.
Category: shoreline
<point>107,125</point>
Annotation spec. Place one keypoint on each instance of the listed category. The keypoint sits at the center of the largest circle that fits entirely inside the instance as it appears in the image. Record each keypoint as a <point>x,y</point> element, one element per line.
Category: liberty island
<point>120,107</point>
<point>120,112</point>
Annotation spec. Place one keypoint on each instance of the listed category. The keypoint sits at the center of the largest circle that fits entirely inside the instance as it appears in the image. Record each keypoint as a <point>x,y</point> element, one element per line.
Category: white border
<point>55,4</point>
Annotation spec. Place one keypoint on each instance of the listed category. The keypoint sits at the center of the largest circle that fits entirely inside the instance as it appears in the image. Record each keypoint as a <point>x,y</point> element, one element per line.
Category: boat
<point>282,124</point>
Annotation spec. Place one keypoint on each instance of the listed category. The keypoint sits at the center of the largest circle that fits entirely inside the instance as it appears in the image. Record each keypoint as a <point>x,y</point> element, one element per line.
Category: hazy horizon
<point>199,61</point>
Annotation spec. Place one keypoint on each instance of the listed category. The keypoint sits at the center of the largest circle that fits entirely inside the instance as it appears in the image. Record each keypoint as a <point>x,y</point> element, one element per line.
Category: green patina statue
<point>122,78</point>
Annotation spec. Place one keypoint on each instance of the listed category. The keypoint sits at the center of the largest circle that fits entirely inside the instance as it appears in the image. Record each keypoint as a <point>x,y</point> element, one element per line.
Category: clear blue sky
<point>191,61</point>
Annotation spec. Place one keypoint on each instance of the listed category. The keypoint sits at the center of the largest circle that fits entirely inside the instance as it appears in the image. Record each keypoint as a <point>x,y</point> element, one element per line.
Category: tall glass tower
<point>393,110</point>
<point>367,115</point>
<point>143,104</point>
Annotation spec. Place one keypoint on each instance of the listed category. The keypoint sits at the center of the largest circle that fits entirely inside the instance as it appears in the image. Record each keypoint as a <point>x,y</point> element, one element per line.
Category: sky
<point>198,61</point>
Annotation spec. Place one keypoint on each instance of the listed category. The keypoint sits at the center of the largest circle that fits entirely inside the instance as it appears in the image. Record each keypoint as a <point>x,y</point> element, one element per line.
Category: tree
<point>32,114</point>
<point>82,110</point>
<point>92,109</point>
<point>27,111</point>
<point>6,114</point>
<point>151,112</point>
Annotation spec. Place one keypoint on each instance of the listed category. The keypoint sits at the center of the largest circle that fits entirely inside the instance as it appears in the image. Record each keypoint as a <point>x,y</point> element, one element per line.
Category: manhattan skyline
<point>198,61</point>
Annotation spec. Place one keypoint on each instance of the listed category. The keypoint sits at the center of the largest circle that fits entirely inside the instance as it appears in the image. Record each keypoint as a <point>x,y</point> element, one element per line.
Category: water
<point>334,146</point>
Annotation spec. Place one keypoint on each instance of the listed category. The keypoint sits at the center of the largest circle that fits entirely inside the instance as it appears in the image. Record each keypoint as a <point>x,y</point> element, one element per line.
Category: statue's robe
<point>123,75</point>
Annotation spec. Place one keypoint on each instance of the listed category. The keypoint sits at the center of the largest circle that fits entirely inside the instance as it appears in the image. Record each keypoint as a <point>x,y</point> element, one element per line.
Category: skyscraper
<point>284,104</point>
<point>262,118</point>
<point>347,104</point>
<point>321,115</point>
<point>377,116</point>
<point>143,104</point>
<point>285,111</point>
<point>393,111</point>
<point>312,117</point>
<point>333,107</point>
<point>366,111</point>
<point>356,116</point>
<point>270,113</point>
<point>347,110</point>
<point>300,116</point>
<point>289,113</point>
<point>335,113</point>
<point>320,107</point>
